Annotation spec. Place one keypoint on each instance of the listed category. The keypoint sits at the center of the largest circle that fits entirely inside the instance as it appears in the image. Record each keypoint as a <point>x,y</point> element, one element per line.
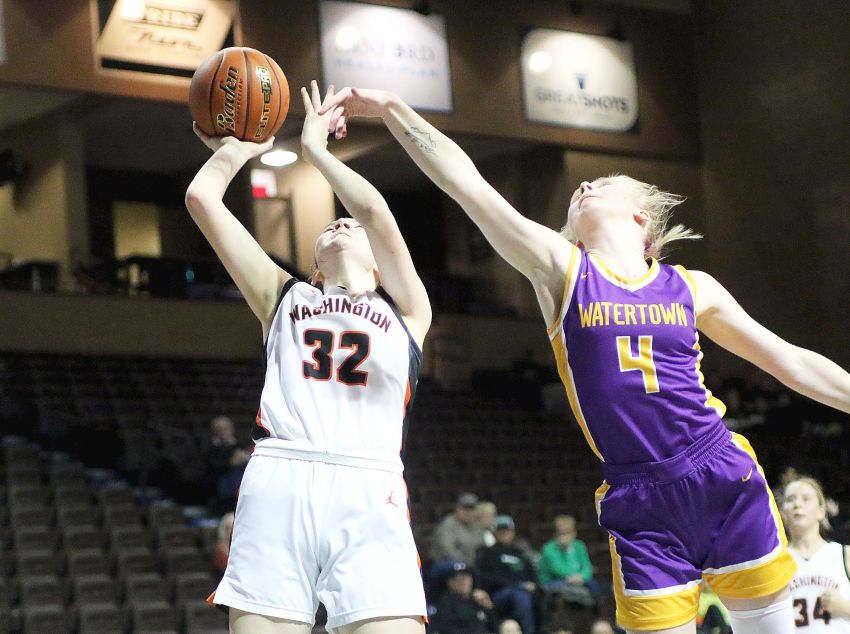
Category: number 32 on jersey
<point>324,342</point>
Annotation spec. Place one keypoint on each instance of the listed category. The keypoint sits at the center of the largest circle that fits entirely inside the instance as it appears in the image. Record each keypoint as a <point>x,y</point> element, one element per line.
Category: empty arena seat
<point>165,514</point>
<point>199,617</point>
<point>125,537</point>
<point>76,515</point>
<point>192,586</point>
<point>67,474</point>
<point>100,618</point>
<point>150,586</point>
<point>87,561</point>
<point>79,537</point>
<point>41,619</point>
<point>116,495</point>
<point>41,590</point>
<point>34,538</point>
<point>30,515</point>
<point>96,588</point>
<point>134,561</point>
<point>152,616</point>
<point>183,559</point>
<point>70,494</point>
<point>123,515</point>
<point>36,562</point>
<point>175,536</point>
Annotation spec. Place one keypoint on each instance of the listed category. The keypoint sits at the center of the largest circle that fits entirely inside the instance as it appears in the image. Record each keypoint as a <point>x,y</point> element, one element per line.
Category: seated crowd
<point>483,578</point>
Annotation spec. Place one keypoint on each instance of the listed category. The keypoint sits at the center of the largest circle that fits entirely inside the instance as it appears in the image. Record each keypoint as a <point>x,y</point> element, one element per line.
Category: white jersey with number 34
<point>824,570</point>
<point>341,373</point>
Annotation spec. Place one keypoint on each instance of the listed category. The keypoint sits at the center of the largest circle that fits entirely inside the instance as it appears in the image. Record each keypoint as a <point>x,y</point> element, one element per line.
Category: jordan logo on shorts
<point>390,499</point>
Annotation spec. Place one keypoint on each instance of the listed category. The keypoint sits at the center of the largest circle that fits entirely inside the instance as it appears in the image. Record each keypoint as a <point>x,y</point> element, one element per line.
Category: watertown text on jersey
<point>607,313</point>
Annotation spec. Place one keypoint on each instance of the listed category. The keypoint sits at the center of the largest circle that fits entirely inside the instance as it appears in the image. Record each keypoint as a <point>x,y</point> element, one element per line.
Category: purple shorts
<point>706,512</point>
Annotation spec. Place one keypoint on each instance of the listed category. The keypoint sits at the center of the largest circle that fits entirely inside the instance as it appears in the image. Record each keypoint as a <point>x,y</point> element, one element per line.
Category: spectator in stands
<point>462,609</point>
<point>485,517</point>
<point>221,549</point>
<point>226,460</point>
<point>508,575</point>
<point>564,567</point>
<point>509,626</point>
<point>458,536</point>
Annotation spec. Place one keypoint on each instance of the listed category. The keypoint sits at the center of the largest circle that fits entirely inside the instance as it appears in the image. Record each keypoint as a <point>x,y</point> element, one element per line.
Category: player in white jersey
<point>322,512</point>
<point>821,587</point>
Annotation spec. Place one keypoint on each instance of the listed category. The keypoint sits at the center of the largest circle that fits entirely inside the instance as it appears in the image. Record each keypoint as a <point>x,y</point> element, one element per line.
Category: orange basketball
<point>239,92</point>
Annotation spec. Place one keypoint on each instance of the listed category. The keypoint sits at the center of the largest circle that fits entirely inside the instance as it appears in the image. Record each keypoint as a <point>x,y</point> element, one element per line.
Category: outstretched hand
<point>245,149</point>
<point>353,102</point>
<point>314,134</point>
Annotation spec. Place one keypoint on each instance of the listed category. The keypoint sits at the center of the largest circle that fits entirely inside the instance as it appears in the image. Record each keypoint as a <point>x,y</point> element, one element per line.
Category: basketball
<point>239,92</point>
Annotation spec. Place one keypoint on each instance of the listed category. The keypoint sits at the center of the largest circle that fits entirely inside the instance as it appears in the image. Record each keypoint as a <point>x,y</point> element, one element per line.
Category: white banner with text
<point>400,50</point>
<point>580,81</point>
<point>148,35</point>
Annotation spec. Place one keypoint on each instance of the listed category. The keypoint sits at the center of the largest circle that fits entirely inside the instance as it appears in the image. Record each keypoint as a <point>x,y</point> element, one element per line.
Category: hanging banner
<point>162,36</point>
<point>579,81</point>
<point>381,47</point>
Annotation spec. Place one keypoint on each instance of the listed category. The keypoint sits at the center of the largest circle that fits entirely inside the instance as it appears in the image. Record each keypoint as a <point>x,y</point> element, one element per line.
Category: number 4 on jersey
<point>321,368</point>
<point>643,362</point>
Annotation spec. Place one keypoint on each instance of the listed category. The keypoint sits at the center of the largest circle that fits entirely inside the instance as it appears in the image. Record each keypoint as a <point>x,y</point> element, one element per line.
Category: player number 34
<point>801,612</point>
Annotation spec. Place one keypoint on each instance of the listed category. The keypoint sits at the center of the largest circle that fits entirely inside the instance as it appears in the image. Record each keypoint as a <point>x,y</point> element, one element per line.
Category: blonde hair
<point>827,505</point>
<point>659,204</point>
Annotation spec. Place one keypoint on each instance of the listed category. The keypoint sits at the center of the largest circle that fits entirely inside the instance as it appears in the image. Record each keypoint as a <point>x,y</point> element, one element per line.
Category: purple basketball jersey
<point>628,354</point>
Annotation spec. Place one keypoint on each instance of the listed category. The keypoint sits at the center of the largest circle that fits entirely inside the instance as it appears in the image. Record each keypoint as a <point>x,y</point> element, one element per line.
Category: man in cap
<point>508,575</point>
<point>462,609</point>
<point>458,535</point>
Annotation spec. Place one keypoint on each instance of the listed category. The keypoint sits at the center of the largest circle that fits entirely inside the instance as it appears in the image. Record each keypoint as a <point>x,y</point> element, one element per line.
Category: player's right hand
<point>354,102</point>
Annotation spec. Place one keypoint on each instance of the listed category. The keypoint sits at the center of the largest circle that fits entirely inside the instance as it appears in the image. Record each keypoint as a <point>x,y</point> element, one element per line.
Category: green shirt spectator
<point>561,561</point>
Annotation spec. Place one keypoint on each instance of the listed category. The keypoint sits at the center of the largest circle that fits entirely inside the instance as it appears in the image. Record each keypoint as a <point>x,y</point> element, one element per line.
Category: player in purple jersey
<point>682,498</point>
<point>316,523</point>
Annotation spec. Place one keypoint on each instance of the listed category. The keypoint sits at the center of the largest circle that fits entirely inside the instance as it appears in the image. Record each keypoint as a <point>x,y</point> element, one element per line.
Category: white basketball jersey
<point>825,570</point>
<point>341,373</point>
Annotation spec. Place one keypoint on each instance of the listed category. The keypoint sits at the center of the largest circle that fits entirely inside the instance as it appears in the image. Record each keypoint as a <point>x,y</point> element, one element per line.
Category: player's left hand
<point>245,149</point>
<point>314,134</point>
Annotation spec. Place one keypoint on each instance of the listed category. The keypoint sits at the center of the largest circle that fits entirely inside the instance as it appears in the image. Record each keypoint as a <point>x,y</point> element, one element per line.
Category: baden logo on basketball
<point>227,120</point>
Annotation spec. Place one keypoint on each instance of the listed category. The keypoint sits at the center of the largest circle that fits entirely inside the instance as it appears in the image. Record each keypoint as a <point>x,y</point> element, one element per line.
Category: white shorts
<point>309,532</point>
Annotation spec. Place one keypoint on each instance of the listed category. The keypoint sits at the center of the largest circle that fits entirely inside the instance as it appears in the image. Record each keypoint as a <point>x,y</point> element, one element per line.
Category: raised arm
<point>721,318</point>
<point>258,278</point>
<point>539,253</point>
<point>368,207</point>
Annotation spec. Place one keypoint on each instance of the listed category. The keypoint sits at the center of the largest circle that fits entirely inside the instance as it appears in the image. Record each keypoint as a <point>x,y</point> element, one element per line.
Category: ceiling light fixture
<point>278,158</point>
